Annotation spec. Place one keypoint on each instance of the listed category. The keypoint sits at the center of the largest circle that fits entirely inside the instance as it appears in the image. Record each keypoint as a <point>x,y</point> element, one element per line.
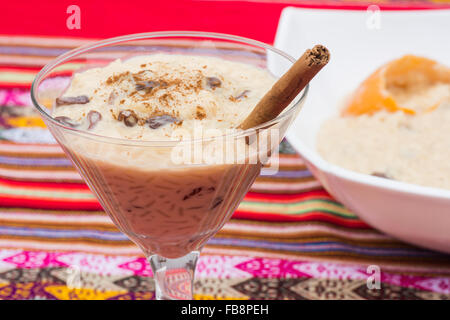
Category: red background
<point>101,19</point>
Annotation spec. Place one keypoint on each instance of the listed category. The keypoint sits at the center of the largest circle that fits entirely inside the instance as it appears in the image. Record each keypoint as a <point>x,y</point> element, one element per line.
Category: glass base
<point>174,278</point>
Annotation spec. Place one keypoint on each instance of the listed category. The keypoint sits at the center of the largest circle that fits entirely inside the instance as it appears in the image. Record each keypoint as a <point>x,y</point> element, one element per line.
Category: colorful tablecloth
<point>289,239</point>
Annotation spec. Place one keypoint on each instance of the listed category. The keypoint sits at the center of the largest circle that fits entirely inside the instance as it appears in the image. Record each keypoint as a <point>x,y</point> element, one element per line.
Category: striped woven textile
<point>289,239</point>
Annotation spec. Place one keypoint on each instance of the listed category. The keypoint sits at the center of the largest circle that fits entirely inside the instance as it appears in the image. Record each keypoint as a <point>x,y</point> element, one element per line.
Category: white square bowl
<point>360,42</point>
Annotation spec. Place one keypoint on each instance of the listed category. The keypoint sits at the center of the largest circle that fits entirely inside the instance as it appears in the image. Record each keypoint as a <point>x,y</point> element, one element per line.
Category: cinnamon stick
<point>288,86</point>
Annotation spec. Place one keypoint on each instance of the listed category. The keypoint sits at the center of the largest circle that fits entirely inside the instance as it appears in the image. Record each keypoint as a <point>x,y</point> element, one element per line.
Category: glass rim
<point>153,35</point>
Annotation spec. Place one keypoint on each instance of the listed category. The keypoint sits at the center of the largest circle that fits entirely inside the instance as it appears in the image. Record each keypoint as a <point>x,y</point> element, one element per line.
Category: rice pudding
<point>396,125</point>
<point>167,208</point>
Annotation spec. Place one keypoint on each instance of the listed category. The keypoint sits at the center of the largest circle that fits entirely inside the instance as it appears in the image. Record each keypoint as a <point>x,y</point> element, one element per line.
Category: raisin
<point>112,97</point>
<point>61,101</point>
<point>381,175</point>
<point>243,94</point>
<point>129,117</point>
<point>158,121</point>
<point>217,201</point>
<point>193,193</point>
<point>93,117</point>
<point>147,85</point>
<point>213,82</point>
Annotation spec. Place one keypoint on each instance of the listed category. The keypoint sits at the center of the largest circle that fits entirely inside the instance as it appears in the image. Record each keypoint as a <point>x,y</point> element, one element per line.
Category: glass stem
<point>174,278</point>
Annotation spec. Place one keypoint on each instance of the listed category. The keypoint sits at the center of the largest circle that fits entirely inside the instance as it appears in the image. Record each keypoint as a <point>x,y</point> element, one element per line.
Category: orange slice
<point>376,93</point>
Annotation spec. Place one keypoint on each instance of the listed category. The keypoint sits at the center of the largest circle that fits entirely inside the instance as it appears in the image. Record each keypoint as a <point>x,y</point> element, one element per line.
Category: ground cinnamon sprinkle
<point>145,87</point>
<point>199,85</point>
<point>113,114</point>
<point>165,93</point>
<point>200,113</point>
<point>114,79</point>
<point>164,99</point>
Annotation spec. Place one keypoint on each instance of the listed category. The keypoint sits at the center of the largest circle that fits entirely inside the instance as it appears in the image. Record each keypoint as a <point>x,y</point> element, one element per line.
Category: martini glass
<point>169,197</point>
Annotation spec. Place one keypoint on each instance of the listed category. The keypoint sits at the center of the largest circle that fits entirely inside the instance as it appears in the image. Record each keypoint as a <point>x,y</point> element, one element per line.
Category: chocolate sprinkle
<point>67,121</point>
<point>129,117</point>
<point>158,121</point>
<point>213,82</point>
<point>94,117</point>
<point>61,101</point>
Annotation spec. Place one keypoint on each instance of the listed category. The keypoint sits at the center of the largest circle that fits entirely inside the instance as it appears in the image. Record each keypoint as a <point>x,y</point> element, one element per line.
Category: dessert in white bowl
<point>413,213</point>
<point>396,125</point>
